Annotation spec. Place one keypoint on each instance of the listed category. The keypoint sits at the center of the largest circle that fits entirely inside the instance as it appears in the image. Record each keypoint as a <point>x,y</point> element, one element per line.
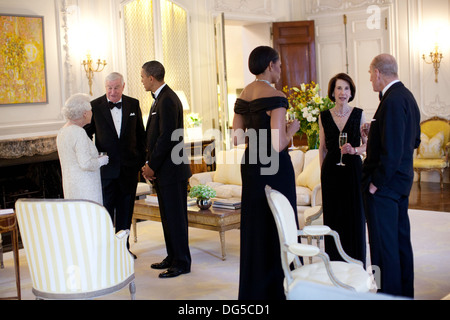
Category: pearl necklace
<point>341,115</point>
<point>262,80</point>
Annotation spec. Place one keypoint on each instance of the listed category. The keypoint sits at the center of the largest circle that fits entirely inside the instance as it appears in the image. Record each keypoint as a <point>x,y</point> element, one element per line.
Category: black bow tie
<point>154,96</point>
<point>381,95</point>
<point>113,105</point>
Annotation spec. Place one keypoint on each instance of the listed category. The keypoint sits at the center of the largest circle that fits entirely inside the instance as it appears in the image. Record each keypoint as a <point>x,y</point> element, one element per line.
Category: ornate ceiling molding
<point>263,7</point>
<point>321,6</point>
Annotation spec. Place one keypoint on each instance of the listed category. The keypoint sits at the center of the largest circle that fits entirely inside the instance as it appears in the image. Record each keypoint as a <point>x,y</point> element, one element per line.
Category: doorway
<point>241,38</point>
<point>235,40</point>
<point>293,40</point>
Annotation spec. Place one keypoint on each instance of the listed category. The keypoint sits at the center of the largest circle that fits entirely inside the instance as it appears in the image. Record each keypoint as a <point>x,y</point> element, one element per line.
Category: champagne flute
<point>342,142</point>
<point>365,130</point>
<point>290,117</point>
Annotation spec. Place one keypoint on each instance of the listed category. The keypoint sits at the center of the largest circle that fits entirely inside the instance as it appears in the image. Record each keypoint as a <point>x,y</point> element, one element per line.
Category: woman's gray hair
<point>76,106</point>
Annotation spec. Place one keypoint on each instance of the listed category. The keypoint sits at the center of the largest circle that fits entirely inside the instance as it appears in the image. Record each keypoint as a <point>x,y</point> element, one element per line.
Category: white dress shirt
<point>117,118</point>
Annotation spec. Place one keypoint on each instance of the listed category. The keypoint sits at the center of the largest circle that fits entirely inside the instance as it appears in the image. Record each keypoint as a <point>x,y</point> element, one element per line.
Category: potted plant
<point>203,194</point>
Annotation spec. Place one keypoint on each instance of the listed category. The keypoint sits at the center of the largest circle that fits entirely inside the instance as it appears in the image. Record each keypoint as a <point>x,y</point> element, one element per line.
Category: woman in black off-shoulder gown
<point>261,274</point>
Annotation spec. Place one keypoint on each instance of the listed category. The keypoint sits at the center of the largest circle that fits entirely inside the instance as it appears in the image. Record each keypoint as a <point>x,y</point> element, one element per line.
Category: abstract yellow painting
<point>22,60</point>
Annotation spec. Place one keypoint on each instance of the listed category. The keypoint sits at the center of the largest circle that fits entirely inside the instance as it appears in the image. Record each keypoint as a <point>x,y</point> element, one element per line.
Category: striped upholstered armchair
<point>72,251</point>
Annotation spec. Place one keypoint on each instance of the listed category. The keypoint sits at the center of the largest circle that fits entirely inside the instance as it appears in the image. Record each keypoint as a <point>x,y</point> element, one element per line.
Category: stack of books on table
<point>231,204</point>
<point>5,212</point>
<point>151,199</point>
<point>191,202</point>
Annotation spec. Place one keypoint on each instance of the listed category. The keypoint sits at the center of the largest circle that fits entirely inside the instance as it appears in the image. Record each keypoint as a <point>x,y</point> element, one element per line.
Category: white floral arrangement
<point>193,120</point>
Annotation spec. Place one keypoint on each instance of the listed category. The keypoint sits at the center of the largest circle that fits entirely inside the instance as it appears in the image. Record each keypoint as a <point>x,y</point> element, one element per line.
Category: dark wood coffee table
<point>213,219</point>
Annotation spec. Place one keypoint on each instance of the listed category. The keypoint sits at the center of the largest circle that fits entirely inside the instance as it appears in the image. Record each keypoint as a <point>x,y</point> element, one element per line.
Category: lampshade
<point>184,101</point>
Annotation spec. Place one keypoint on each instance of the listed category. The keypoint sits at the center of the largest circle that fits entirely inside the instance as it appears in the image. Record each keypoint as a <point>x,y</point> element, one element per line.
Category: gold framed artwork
<point>22,60</point>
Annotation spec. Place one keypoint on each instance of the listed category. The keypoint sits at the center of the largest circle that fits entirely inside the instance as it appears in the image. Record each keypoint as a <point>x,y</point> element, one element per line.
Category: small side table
<point>8,223</point>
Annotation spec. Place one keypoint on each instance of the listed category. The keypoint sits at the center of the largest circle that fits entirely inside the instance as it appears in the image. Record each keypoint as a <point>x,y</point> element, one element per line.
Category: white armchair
<point>348,275</point>
<point>72,251</point>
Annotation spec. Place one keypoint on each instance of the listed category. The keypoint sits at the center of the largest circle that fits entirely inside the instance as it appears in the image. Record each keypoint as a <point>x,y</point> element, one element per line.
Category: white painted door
<point>348,43</point>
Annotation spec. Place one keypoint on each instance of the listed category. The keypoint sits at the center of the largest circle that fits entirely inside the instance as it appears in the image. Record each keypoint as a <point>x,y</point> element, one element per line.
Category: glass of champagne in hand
<point>365,130</point>
<point>289,119</point>
<point>342,142</point>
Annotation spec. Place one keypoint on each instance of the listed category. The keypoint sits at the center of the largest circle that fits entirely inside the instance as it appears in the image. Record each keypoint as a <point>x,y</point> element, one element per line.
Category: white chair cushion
<point>348,273</point>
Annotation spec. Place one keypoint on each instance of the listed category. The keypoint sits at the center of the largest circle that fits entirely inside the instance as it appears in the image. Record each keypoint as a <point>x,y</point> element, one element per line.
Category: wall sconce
<point>89,68</point>
<point>436,58</point>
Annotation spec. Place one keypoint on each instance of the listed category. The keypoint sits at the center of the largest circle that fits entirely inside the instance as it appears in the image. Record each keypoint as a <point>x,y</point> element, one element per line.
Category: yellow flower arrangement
<point>306,104</point>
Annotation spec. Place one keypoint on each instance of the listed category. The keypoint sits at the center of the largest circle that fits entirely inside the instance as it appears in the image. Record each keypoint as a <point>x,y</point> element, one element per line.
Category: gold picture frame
<point>23,76</point>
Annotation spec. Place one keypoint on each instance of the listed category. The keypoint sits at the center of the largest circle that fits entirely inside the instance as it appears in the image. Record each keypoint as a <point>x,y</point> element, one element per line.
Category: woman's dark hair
<point>332,86</point>
<point>260,59</point>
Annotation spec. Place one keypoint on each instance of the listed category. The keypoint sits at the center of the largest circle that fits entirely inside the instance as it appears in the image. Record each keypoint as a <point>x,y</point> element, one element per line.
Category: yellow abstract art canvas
<point>22,60</point>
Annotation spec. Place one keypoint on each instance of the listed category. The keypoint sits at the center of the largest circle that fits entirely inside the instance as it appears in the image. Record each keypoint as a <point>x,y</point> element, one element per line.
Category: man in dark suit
<point>119,131</point>
<point>388,176</point>
<point>168,168</point>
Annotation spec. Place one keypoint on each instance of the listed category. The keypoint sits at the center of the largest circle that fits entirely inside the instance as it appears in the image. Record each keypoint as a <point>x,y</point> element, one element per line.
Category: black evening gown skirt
<point>261,274</point>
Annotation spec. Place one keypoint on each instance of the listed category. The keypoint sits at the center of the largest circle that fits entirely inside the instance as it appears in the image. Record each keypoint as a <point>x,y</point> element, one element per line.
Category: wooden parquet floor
<point>429,196</point>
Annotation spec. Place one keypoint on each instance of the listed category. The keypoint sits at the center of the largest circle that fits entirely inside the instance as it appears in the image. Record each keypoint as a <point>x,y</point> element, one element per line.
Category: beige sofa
<point>226,180</point>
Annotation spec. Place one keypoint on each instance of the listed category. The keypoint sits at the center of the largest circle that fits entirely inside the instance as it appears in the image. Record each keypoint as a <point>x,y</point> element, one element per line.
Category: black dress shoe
<point>172,273</point>
<point>162,265</point>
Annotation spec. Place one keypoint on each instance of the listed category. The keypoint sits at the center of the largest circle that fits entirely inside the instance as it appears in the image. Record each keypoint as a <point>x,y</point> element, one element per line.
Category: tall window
<point>157,30</point>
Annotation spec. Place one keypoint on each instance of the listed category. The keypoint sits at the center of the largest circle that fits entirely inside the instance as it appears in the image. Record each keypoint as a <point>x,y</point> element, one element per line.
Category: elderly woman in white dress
<point>79,158</point>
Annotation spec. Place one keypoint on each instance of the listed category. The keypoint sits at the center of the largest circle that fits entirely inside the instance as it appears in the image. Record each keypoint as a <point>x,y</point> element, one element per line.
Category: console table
<point>8,223</point>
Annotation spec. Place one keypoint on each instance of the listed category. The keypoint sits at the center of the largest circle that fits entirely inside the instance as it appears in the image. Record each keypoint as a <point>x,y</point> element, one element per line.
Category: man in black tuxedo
<point>168,168</point>
<point>119,131</point>
<point>388,176</point>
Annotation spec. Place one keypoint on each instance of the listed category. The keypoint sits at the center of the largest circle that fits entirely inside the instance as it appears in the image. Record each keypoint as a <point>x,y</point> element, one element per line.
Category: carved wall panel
<point>318,6</point>
<point>263,7</point>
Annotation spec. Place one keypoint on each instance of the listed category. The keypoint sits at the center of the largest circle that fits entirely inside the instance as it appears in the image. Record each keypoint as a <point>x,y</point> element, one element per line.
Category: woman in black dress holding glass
<point>261,113</point>
<point>341,180</point>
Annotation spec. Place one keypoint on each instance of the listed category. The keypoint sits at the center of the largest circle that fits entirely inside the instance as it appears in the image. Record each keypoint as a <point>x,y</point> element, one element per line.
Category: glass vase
<point>313,140</point>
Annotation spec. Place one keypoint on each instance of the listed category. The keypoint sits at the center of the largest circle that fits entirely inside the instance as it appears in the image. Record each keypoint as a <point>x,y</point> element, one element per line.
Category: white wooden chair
<point>349,275</point>
<point>72,251</point>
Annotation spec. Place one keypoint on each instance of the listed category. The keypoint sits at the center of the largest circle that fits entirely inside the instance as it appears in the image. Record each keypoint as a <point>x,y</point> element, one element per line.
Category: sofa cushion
<point>298,159</point>
<point>228,169</point>
<point>226,191</point>
<point>431,147</point>
<point>303,196</point>
<point>310,177</point>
